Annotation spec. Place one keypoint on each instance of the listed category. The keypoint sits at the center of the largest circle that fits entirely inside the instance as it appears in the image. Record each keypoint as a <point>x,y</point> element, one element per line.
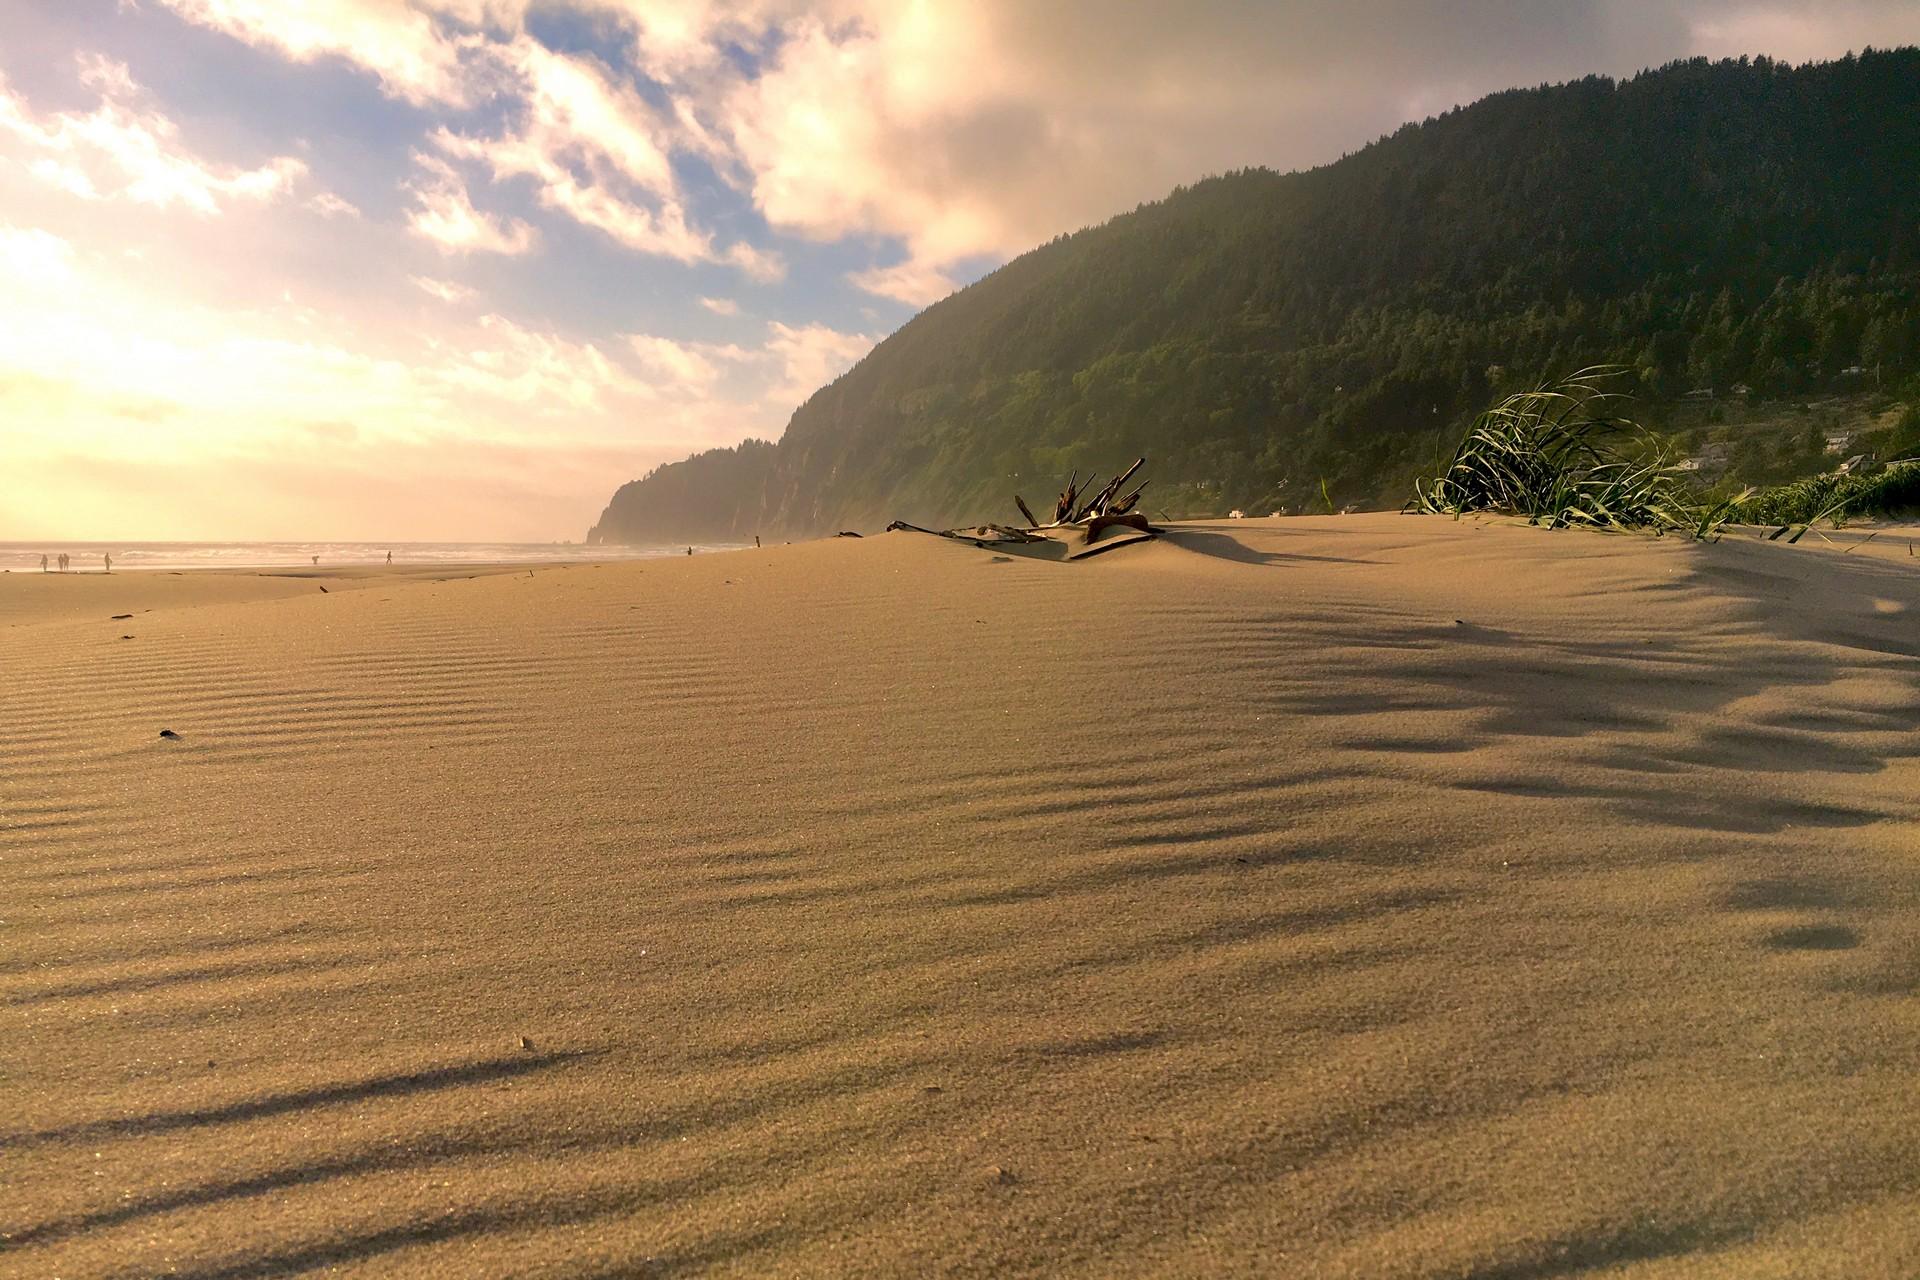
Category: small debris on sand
<point>526,1043</point>
<point>168,733</point>
<point>118,616</point>
<point>1001,1176</point>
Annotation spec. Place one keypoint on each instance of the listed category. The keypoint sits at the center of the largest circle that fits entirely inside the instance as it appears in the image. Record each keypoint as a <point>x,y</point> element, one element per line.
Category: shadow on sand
<point>1224,546</point>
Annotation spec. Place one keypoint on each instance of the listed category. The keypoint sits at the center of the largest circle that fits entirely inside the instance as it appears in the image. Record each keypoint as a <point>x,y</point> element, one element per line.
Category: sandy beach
<point>1371,896</point>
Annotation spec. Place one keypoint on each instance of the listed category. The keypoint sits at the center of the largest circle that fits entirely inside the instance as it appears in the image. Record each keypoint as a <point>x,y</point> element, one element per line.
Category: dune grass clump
<point>1561,456</point>
<point>1893,490</point>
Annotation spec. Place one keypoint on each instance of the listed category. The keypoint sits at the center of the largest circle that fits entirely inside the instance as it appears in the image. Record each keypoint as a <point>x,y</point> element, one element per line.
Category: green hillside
<point>1746,226</point>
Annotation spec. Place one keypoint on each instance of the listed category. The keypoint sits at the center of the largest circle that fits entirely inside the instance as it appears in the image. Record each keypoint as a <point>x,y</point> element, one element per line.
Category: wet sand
<point>1372,896</point>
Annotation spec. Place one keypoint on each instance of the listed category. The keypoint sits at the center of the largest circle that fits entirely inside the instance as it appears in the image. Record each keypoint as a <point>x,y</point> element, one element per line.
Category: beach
<point>1370,896</point>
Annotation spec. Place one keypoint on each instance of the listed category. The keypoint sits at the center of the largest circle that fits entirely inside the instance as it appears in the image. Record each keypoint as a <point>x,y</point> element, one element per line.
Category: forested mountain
<point>1706,225</point>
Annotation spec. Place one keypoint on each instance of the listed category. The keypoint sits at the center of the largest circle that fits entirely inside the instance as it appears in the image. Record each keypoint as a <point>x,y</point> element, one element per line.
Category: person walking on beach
<point>107,559</point>
<point>43,564</point>
<point>316,562</point>
<point>389,557</point>
<point>63,562</point>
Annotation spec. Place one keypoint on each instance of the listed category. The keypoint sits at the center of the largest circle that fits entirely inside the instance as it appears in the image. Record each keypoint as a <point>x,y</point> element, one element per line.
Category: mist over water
<point>87,556</point>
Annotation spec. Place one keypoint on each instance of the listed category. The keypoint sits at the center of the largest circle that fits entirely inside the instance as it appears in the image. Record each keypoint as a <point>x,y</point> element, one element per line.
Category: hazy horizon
<point>24,557</point>
<point>453,270</point>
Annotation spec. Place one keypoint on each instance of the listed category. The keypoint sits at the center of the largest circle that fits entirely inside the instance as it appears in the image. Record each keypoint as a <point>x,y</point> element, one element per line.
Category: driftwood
<point>1107,509</point>
<point>1126,520</point>
<point>1073,507</point>
<point>985,535</point>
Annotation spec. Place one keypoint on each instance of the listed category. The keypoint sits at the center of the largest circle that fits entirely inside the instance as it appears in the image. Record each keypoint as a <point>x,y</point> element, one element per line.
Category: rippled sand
<point>1375,896</point>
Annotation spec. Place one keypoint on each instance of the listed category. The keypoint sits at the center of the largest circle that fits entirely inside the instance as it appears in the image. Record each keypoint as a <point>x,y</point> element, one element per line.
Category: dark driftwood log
<point>1063,509</point>
<point>1125,504</point>
<point>1021,503</point>
<point>1134,520</point>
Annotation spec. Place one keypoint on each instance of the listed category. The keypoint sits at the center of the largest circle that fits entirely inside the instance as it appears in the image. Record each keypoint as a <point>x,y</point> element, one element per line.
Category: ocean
<point>87,556</point>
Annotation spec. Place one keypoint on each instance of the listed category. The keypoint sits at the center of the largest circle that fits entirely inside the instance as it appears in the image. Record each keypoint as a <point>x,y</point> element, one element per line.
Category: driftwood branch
<point>1074,508</point>
<point>1104,499</point>
<point>985,535</point>
<point>1063,508</point>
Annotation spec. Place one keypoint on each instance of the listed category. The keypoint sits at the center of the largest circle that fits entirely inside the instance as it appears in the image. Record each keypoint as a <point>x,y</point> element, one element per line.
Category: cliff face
<point>1258,334</point>
<point>711,496</point>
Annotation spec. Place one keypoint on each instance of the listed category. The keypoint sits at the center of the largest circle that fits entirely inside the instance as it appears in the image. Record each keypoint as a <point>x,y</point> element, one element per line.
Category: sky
<point>457,269</point>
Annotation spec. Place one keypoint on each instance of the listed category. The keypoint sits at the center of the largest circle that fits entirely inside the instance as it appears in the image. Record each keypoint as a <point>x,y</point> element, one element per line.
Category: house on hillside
<point>1709,461</point>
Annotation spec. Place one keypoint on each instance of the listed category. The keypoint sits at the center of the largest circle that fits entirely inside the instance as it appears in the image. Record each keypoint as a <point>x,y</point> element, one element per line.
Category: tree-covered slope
<point>1707,225</point>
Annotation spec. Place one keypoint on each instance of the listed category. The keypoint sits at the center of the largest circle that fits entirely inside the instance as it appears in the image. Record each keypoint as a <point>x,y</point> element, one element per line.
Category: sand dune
<point>1374,896</point>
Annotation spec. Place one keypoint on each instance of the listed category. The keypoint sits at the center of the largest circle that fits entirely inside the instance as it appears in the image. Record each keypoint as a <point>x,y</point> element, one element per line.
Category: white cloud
<point>597,151</point>
<point>721,306</point>
<point>677,365</point>
<point>759,264</point>
<point>329,205</point>
<point>62,176</point>
<point>914,283</point>
<point>399,43</point>
<point>445,290</point>
<point>540,372</point>
<point>123,149</point>
<point>444,214</point>
<point>810,356</point>
<point>600,154</point>
<point>32,257</point>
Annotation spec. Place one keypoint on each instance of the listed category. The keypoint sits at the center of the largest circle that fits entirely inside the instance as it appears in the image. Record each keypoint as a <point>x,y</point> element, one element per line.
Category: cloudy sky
<point>416,269</point>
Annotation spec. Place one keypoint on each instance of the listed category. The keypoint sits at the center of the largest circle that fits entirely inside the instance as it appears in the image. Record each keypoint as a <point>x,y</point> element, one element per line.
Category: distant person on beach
<point>107,559</point>
<point>43,564</point>
<point>689,550</point>
<point>63,562</point>
<point>316,562</point>
<point>389,557</point>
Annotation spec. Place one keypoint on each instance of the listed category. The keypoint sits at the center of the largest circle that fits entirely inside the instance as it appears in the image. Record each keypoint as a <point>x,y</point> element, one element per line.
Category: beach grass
<point>1561,456</point>
<point>1835,497</point>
